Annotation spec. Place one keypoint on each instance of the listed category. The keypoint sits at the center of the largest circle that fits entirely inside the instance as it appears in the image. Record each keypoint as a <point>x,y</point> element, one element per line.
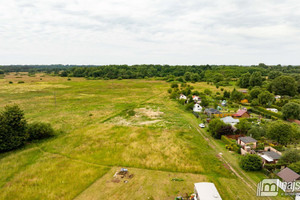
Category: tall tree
<point>244,80</point>
<point>12,128</point>
<point>291,111</point>
<point>281,132</point>
<point>284,85</point>
<point>255,79</point>
<point>265,98</point>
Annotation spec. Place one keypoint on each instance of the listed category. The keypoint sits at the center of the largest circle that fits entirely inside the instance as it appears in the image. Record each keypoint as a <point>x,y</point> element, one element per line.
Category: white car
<point>202,125</point>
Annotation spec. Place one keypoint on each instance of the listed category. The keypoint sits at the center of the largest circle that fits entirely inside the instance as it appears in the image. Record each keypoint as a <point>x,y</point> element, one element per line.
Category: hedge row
<point>267,112</point>
<point>263,113</point>
<point>227,140</point>
<point>272,167</point>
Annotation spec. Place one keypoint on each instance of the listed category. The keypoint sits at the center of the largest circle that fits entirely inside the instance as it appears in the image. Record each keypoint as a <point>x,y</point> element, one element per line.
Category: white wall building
<point>206,191</point>
<point>197,108</point>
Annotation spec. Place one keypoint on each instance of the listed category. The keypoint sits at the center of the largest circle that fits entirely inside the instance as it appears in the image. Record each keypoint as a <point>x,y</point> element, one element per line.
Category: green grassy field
<point>107,125</point>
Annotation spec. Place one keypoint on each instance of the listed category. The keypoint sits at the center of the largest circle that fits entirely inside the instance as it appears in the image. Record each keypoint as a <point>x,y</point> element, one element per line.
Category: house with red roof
<point>241,114</point>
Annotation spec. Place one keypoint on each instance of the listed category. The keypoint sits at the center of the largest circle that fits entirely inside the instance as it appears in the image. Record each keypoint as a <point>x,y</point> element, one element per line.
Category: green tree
<point>257,132</point>
<point>243,126</point>
<point>1,71</point>
<point>251,162</point>
<point>265,98</point>
<point>274,74</point>
<point>284,85</point>
<point>207,92</point>
<point>236,95</point>
<point>187,76</point>
<point>244,80</point>
<point>12,128</point>
<point>290,156</point>
<point>218,77</point>
<point>226,95</point>
<point>281,132</point>
<point>204,102</point>
<point>195,77</point>
<point>255,79</point>
<point>39,130</point>
<point>214,126</point>
<point>255,92</point>
<point>291,111</point>
<point>174,85</point>
<point>295,167</point>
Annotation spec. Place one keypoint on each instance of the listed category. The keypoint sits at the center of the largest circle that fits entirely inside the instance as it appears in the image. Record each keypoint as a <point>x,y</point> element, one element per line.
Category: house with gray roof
<point>288,175</point>
<point>230,120</point>
<point>270,157</point>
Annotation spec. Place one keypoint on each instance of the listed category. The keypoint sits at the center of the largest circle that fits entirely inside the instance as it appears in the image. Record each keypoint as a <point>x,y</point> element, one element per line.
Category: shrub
<point>119,78</point>
<point>251,162</point>
<point>21,82</point>
<point>69,79</point>
<point>39,130</point>
<point>10,82</point>
<point>12,128</point>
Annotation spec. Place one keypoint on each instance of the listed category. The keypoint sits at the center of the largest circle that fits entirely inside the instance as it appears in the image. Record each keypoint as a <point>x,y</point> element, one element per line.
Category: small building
<point>244,101</point>
<point>197,108</point>
<point>241,114</point>
<point>196,98</point>
<point>247,141</point>
<point>277,97</point>
<point>206,191</point>
<point>288,175</point>
<point>243,91</point>
<point>272,110</point>
<point>219,108</point>
<point>224,103</point>
<point>182,96</point>
<point>230,120</point>
<point>270,157</point>
<point>210,111</point>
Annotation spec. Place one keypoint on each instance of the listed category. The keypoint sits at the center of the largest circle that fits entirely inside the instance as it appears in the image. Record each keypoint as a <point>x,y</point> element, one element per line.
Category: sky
<point>175,32</point>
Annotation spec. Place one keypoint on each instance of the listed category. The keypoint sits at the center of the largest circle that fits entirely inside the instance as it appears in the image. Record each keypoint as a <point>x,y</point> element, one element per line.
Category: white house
<point>197,108</point>
<point>230,120</point>
<point>196,98</point>
<point>206,191</point>
<point>273,110</point>
<point>182,96</point>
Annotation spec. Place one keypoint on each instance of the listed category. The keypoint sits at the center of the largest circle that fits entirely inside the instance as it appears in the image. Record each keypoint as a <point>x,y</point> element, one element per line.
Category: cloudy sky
<point>149,31</point>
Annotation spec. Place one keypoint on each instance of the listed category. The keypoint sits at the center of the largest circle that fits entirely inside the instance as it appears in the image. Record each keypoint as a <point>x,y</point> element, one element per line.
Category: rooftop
<point>288,175</point>
<point>247,139</point>
<point>207,191</point>
<point>272,154</point>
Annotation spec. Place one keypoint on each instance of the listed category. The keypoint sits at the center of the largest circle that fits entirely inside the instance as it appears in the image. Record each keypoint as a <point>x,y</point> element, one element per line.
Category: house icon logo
<point>268,188</point>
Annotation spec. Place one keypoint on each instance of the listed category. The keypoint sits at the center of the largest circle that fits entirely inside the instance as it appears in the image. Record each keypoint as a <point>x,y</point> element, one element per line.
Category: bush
<point>10,82</point>
<point>39,130</point>
<point>251,162</point>
<point>227,140</point>
<point>12,128</point>
<point>21,82</point>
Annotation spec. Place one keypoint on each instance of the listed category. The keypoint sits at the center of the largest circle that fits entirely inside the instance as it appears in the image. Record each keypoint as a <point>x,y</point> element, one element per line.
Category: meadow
<point>105,125</point>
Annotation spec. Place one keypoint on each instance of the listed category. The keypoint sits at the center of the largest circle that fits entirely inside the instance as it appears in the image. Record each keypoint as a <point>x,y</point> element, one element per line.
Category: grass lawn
<point>107,125</point>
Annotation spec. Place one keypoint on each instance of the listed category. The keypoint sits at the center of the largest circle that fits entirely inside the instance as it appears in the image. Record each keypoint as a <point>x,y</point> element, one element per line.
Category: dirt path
<point>252,185</point>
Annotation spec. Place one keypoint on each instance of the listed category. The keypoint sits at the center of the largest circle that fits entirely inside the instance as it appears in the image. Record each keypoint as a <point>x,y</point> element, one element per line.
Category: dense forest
<point>214,73</point>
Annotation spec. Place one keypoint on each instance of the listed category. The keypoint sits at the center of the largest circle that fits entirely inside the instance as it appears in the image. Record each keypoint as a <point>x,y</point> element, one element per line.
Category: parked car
<point>202,125</point>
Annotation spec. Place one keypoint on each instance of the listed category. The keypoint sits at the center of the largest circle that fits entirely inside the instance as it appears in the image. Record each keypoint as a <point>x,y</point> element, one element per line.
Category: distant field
<point>108,125</point>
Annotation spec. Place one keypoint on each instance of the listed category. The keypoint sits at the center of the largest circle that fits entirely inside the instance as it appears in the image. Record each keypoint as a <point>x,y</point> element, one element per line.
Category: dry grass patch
<point>145,184</point>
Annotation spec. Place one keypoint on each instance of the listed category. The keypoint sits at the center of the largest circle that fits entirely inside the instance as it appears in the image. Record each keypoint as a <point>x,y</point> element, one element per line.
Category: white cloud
<point>149,31</point>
